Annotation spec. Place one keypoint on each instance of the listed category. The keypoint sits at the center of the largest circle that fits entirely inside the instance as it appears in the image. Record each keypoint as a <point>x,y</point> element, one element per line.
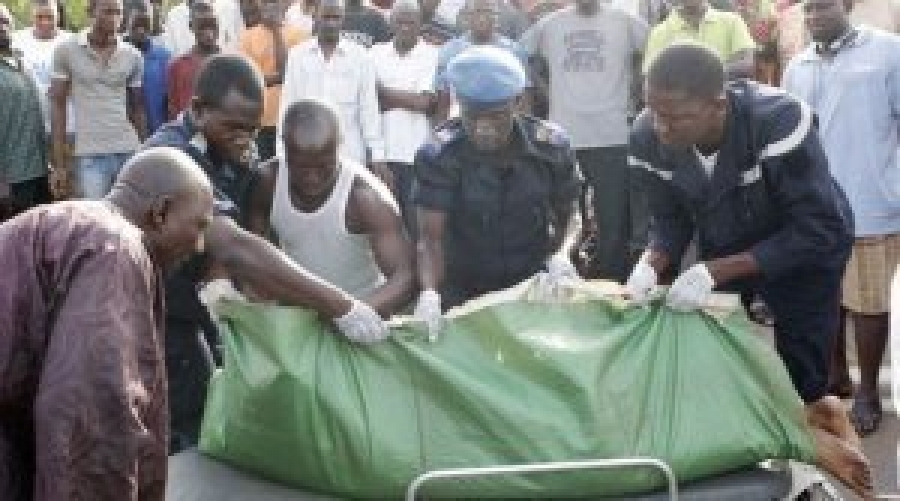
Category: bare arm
<point>59,98</point>
<point>374,214</point>
<point>430,248</point>
<point>136,114</point>
<point>390,99</point>
<point>252,260</point>
<point>260,206</point>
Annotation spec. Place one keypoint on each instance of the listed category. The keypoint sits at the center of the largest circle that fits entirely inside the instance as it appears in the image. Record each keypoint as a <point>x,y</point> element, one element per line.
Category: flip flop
<point>865,414</point>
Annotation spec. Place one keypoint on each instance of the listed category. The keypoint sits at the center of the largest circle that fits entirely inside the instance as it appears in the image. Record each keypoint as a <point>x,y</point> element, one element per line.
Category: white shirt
<point>404,131</point>
<point>347,80</point>
<point>708,162</point>
<point>37,55</point>
<point>179,39</point>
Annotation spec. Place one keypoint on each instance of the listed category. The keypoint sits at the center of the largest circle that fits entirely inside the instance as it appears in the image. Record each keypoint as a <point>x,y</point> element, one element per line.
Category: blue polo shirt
<point>856,95</point>
<point>156,63</point>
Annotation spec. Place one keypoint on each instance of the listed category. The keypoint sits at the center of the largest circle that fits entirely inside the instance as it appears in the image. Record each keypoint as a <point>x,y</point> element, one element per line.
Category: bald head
<point>162,172</point>
<point>164,192</point>
<point>311,124</point>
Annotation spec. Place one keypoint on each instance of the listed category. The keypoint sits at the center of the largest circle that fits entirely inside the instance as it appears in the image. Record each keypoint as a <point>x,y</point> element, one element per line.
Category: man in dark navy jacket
<point>740,166</point>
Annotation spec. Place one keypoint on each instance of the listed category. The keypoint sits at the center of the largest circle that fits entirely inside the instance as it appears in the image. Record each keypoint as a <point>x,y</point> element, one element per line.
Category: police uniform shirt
<point>770,192</point>
<point>498,209</point>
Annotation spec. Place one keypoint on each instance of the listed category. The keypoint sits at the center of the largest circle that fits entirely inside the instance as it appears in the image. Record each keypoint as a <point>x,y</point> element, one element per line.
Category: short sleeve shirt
<point>591,62</point>
<point>258,44</point>
<point>724,32</point>
<point>99,94</point>
<point>498,207</point>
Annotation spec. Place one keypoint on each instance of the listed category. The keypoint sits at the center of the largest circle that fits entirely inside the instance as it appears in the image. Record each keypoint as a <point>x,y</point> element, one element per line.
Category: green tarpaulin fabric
<point>510,381</point>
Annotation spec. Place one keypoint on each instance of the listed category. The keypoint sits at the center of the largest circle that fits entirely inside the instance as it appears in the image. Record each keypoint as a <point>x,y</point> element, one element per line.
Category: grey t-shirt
<point>99,94</point>
<point>591,62</point>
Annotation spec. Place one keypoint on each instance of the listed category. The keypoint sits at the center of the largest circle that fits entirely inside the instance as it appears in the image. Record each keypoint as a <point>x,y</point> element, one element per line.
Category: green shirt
<point>724,32</point>
<point>23,138</point>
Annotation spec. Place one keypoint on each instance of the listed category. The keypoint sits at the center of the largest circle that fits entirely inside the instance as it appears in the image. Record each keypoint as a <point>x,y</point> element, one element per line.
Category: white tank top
<point>320,241</point>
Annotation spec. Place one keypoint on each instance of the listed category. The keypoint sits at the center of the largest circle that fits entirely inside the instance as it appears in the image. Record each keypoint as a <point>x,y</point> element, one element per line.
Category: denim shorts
<point>95,174</point>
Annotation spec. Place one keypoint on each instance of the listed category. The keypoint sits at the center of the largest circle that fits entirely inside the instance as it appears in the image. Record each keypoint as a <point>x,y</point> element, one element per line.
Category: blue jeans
<point>95,174</point>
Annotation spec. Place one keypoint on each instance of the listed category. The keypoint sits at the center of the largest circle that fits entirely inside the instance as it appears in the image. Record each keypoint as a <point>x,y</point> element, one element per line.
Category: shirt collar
<point>855,37</point>
<point>709,16</point>
<point>340,48</point>
<point>198,140</point>
<point>82,38</point>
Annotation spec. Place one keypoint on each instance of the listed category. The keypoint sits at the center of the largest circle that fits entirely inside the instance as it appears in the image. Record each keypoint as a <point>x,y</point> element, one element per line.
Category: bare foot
<point>828,413</point>
<point>845,463</point>
<point>865,414</point>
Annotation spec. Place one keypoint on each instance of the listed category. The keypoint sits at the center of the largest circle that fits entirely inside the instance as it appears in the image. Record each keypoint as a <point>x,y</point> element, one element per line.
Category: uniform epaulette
<point>549,132</point>
<point>443,136</point>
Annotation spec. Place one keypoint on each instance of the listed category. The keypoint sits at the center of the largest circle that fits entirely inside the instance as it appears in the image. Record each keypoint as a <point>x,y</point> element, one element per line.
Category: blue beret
<point>485,77</point>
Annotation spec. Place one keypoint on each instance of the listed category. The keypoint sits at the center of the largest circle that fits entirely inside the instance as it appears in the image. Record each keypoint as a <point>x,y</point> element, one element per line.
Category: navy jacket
<point>771,192</point>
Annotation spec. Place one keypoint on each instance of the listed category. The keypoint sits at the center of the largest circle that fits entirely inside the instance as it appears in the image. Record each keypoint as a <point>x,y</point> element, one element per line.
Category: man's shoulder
<point>174,133</point>
<point>883,41</point>
<point>367,192</point>
<point>380,50</point>
<point>723,17</point>
<point>763,100</point>
<point>544,133</point>
<point>780,122</point>
<point>129,50</point>
<point>159,51</point>
<point>443,138</point>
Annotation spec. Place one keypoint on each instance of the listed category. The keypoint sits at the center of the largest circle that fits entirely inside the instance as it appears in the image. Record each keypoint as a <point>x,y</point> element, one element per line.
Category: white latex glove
<point>218,290</point>
<point>560,271</point>
<point>692,289</point>
<point>643,280</point>
<point>428,311</point>
<point>362,324</point>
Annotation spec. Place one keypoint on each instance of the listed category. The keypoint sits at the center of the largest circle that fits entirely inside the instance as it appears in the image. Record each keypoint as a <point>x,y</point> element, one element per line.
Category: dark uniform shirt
<point>186,363</point>
<point>499,209</point>
<point>771,192</point>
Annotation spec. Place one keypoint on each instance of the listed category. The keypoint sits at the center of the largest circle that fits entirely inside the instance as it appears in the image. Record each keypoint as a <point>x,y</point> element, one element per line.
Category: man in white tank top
<point>331,215</point>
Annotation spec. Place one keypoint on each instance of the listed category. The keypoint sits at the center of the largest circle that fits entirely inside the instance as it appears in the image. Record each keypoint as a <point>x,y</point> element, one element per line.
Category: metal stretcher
<point>194,477</point>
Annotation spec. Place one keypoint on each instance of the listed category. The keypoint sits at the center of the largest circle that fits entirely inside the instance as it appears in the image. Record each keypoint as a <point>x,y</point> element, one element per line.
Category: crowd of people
<point>371,160</point>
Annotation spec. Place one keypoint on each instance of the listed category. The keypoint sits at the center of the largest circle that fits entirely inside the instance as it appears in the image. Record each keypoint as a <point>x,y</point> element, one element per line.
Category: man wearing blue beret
<point>494,191</point>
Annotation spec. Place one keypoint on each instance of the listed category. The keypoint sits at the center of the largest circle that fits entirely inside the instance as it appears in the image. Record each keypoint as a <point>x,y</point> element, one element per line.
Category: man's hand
<point>560,271</point>
<point>384,173</point>
<point>692,289</point>
<point>428,311</point>
<point>643,280</point>
<point>60,183</point>
<point>362,324</point>
<point>60,174</point>
<point>6,202</point>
